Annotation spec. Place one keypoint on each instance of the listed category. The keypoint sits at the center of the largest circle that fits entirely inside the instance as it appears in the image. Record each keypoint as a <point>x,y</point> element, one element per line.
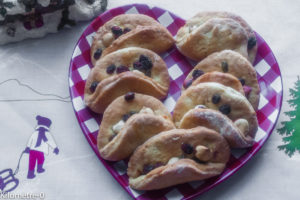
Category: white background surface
<point>76,172</point>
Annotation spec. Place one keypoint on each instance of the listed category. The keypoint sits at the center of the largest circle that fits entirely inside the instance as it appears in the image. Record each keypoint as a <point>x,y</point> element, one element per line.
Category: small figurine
<point>38,145</point>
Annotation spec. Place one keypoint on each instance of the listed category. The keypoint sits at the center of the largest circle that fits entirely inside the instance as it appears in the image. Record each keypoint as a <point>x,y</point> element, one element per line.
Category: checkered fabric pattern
<point>269,79</point>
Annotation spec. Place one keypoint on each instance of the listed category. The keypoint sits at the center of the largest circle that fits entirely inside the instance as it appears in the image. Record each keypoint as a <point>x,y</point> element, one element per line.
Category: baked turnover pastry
<point>209,32</point>
<point>177,156</point>
<point>128,122</point>
<point>126,70</point>
<point>129,30</point>
<point>235,133</point>
<point>198,76</point>
<point>218,97</point>
<point>252,44</point>
<point>230,62</point>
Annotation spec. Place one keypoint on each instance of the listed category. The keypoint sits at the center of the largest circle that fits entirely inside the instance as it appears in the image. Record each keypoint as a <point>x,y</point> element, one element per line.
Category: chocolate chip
<point>94,86</point>
<point>117,31</point>
<point>216,99</point>
<point>129,96</point>
<point>122,69</point>
<point>242,81</point>
<point>137,65</point>
<point>128,115</point>
<point>197,73</point>
<point>97,54</point>
<point>111,69</point>
<point>225,109</point>
<point>125,117</point>
<point>126,30</point>
<point>146,62</point>
<point>187,148</point>
<point>224,66</point>
<point>142,67</point>
<point>251,42</point>
<point>187,83</point>
<point>148,168</point>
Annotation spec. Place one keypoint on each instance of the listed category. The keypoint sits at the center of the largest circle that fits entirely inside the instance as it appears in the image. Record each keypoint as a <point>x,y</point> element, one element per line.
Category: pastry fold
<point>233,63</point>
<point>126,124</point>
<point>126,70</point>
<point>178,156</point>
<point>221,98</point>
<point>209,32</point>
<point>218,77</point>
<point>252,44</point>
<point>234,133</point>
<point>197,39</point>
<point>128,30</point>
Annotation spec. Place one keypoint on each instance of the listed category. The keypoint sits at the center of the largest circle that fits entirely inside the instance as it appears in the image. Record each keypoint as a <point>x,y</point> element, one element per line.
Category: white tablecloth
<point>76,173</point>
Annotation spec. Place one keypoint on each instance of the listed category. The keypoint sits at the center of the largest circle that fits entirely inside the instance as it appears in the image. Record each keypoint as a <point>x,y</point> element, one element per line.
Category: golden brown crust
<point>117,85</point>
<point>237,138</point>
<point>127,57</point>
<point>120,107</point>
<point>221,14</point>
<point>135,132</point>
<point>155,38</point>
<point>203,93</point>
<point>222,78</point>
<point>237,65</point>
<point>166,145</point>
<point>104,37</point>
<point>200,38</point>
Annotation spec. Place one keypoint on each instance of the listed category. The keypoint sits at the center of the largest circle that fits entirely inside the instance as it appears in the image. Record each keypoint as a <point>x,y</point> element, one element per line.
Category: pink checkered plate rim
<point>269,78</point>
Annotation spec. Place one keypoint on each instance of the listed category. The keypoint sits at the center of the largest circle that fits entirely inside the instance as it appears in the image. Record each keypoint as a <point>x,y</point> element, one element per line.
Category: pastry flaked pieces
<point>198,76</point>
<point>252,43</point>
<point>209,32</point>
<point>129,69</point>
<point>110,88</point>
<point>178,156</point>
<point>234,132</point>
<point>128,122</point>
<point>129,30</point>
<point>218,97</point>
<point>230,62</point>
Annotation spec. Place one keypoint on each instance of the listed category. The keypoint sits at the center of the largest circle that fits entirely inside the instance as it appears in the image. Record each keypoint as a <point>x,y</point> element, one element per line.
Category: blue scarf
<point>41,137</point>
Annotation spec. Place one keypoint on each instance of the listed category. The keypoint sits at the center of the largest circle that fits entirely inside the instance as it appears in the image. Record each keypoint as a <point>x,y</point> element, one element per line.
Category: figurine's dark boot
<point>30,174</point>
<point>40,169</point>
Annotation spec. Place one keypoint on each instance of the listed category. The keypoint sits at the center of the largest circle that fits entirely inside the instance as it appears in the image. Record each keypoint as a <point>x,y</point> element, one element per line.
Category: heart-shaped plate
<point>268,74</point>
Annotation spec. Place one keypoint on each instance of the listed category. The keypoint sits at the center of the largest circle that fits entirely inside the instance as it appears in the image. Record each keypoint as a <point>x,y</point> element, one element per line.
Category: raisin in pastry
<point>217,97</point>
<point>131,69</point>
<point>233,63</point>
<point>129,30</point>
<point>178,156</point>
